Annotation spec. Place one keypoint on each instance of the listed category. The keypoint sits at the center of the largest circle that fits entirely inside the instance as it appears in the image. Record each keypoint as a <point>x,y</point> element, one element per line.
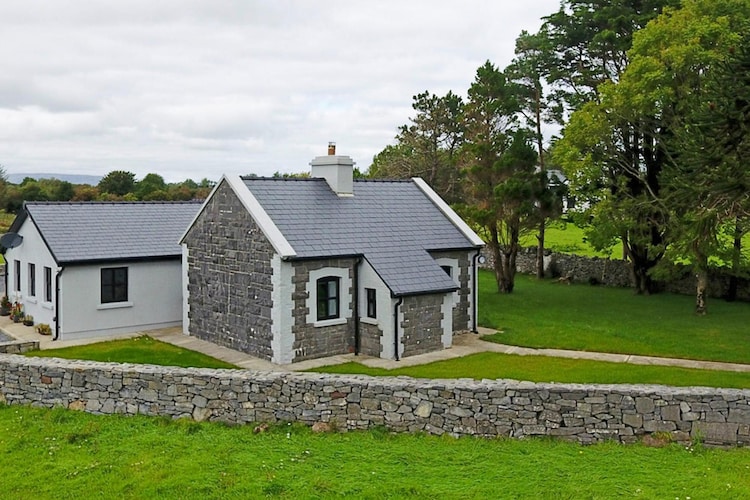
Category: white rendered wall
<point>32,250</point>
<point>154,299</point>
<point>281,314</point>
<point>368,278</point>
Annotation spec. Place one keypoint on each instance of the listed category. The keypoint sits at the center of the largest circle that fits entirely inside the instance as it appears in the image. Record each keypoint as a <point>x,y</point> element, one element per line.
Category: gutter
<point>355,309</point>
<point>57,303</point>
<point>475,292</point>
<point>395,328</point>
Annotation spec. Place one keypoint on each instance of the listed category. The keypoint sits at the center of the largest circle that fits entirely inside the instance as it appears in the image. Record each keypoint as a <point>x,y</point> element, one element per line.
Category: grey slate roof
<point>391,223</point>
<point>108,231</point>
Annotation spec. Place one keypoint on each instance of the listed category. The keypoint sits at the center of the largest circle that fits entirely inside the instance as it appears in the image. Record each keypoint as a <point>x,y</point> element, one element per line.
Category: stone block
<point>424,409</point>
<point>633,420</point>
<point>671,413</point>
<point>715,432</point>
<point>644,405</point>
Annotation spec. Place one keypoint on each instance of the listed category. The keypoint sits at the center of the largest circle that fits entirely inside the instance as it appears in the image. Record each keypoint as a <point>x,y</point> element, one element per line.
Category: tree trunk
<point>506,273</point>
<point>540,251</point>
<point>736,253</point>
<point>700,291</point>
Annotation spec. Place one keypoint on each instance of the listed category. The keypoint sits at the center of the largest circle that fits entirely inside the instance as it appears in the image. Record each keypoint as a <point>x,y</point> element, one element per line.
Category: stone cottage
<point>295,269</point>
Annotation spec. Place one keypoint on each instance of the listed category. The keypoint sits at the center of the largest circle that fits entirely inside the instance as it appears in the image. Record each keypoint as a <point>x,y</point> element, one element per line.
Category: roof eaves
<point>29,216</point>
<point>448,212</point>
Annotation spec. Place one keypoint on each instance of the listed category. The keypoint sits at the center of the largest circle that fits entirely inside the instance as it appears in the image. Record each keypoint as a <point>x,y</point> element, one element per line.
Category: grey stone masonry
<point>461,310</point>
<point>421,328</point>
<point>229,277</point>
<point>370,339</point>
<point>312,341</point>
<point>18,346</point>
<point>615,272</point>
<point>490,408</point>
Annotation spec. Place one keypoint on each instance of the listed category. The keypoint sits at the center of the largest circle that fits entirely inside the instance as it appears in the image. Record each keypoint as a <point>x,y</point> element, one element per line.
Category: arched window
<point>328,297</point>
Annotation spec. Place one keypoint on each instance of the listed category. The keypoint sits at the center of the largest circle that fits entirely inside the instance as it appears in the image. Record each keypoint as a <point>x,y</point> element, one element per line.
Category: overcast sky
<point>194,88</point>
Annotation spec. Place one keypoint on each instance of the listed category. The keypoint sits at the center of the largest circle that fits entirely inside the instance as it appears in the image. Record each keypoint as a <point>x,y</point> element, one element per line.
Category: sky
<point>200,88</point>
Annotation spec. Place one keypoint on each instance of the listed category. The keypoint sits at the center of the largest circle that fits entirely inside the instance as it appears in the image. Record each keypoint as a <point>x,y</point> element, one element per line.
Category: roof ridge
<point>116,202</point>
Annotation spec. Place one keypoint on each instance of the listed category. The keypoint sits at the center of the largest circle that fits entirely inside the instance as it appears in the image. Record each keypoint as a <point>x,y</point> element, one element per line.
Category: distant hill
<point>72,178</point>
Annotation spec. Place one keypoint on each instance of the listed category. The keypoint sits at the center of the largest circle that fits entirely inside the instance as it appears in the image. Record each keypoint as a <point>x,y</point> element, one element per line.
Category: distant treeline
<point>116,185</point>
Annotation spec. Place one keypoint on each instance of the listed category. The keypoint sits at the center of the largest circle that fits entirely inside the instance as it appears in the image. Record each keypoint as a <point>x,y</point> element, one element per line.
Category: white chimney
<point>338,171</point>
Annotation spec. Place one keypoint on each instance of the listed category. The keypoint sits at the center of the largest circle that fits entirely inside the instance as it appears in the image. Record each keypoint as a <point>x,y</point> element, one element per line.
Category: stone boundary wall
<point>18,346</point>
<point>489,408</point>
<point>609,272</point>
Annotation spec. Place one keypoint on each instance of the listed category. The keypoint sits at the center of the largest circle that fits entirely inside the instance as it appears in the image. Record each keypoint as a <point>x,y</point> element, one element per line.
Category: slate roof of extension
<point>105,231</point>
<point>391,223</point>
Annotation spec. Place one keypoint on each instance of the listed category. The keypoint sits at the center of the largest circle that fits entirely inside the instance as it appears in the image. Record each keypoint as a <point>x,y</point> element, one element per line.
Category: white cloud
<point>199,88</point>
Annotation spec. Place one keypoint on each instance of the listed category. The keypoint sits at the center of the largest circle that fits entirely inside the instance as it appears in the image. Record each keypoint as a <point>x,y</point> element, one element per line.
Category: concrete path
<point>463,346</point>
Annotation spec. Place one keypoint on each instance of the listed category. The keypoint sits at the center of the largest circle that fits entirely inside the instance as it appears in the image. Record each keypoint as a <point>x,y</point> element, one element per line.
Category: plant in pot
<point>5,306</point>
<point>16,313</point>
<point>44,329</point>
<point>28,320</point>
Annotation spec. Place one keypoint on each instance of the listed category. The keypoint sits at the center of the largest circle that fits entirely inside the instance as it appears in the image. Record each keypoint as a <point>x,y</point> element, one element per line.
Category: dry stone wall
<point>582,413</point>
<point>609,272</point>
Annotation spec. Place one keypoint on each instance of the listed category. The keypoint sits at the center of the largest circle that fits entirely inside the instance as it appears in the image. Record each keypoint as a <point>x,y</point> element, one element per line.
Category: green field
<point>64,454</point>
<point>568,238</point>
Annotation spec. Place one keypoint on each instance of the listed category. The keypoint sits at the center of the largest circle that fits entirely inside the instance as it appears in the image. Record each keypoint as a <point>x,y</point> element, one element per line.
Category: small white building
<point>97,268</point>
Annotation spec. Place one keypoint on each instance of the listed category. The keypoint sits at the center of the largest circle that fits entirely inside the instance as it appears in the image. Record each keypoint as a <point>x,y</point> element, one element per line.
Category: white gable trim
<point>448,212</point>
<point>256,210</point>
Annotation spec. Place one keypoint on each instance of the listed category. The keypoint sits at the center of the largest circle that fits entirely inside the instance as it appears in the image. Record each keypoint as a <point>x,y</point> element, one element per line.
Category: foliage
<point>428,146</point>
<point>143,349</point>
<point>117,183</point>
<point>707,185</point>
<point>44,329</point>
<point>500,169</point>
<point>60,453</point>
<point>546,314</point>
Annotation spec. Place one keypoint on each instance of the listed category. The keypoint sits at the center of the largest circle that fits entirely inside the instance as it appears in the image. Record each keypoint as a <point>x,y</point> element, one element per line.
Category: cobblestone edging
<point>583,413</point>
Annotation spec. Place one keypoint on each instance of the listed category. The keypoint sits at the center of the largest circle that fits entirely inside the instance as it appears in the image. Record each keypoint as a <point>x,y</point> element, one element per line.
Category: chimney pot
<point>331,148</point>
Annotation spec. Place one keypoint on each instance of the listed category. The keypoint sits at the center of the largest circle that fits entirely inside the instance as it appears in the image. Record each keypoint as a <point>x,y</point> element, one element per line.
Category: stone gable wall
<point>312,342</point>
<point>229,277</point>
<point>462,308</point>
<point>421,328</point>
<point>489,408</point>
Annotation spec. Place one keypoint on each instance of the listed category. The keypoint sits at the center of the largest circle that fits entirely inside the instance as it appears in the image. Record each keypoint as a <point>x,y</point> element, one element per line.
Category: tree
<point>583,49</point>
<point>709,182</point>
<point>150,184</point>
<point>117,183</point>
<point>585,44</point>
<point>428,146</point>
<point>527,71</point>
<point>499,165</point>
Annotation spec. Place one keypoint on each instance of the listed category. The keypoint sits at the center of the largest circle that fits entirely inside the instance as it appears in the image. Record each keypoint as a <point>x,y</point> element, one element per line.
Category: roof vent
<point>338,171</point>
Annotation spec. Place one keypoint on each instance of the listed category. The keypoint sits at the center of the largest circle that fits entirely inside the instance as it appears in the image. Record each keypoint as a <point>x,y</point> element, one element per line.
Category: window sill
<point>30,300</point>
<point>330,322</point>
<point>48,305</point>
<point>115,305</point>
<point>368,320</point>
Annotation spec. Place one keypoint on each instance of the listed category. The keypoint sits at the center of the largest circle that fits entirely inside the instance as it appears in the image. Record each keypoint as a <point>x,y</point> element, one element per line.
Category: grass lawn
<point>64,454</point>
<point>142,349</point>
<point>568,238</point>
<point>491,365</point>
<point>591,318</point>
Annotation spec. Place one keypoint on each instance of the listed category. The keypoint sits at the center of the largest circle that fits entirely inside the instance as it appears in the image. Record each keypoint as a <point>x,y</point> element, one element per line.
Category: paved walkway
<point>463,346</point>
